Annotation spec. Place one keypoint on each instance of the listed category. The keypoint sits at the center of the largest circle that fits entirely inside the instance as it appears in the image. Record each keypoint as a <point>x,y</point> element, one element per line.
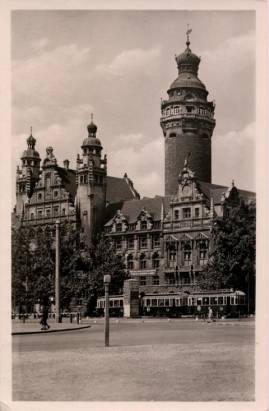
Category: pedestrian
<point>44,319</point>
<point>210,314</point>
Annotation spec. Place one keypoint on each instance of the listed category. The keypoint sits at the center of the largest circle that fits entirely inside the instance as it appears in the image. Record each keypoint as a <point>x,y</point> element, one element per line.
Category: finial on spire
<point>92,117</point>
<point>232,183</point>
<point>188,32</point>
<point>31,131</point>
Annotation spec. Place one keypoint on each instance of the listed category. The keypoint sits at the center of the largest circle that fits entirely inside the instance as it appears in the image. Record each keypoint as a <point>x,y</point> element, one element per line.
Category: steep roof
<point>132,208</point>
<point>68,177</point>
<point>119,189</point>
<point>216,191</point>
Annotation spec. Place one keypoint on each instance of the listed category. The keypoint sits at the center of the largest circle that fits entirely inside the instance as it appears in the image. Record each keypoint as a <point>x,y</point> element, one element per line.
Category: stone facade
<point>82,197</point>
<point>187,122</point>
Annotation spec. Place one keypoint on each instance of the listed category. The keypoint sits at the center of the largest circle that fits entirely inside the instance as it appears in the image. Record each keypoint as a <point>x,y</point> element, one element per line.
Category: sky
<point>118,65</point>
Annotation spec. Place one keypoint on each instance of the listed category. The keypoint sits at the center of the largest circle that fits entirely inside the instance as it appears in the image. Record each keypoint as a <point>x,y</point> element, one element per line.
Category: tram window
<point>116,303</point>
<point>161,302</point>
<point>232,300</point>
<point>205,300</point>
<point>154,302</point>
<point>172,302</point>
<point>184,301</point>
<point>121,303</point>
<point>167,302</point>
<point>213,300</point>
<point>199,301</point>
<point>110,303</point>
<point>177,302</point>
<point>220,300</point>
<point>147,302</point>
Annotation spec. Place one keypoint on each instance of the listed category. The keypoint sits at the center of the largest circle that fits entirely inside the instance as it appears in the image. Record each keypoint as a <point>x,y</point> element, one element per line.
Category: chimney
<point>66,164</point>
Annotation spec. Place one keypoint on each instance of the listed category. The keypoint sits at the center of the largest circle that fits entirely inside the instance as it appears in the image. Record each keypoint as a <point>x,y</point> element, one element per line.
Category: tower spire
<point>188,32</point>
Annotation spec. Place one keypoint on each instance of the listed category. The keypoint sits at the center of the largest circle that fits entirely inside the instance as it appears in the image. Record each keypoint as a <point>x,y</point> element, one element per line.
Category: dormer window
<point>189,109</point>
<point>176,214</point>
<point>118,227</point>
<point>143,225</point>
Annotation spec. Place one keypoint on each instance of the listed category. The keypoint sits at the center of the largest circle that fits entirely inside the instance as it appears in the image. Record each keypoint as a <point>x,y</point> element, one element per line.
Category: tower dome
<point>187,122</point>
<point>91,140</point>
<point>30,152</point>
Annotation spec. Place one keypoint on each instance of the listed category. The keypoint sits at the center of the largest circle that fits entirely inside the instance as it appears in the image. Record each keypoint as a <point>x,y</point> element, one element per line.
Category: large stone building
<point>164,240</point>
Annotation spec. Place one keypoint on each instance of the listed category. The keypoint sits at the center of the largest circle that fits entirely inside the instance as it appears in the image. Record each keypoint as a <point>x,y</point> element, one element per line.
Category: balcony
<point>183,224</point>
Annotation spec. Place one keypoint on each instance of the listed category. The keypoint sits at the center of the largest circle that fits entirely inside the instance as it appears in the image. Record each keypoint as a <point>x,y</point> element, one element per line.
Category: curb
<point>50,331</point>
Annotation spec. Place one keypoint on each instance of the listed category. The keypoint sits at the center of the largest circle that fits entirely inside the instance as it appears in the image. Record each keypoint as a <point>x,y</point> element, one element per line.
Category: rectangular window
<point>119,227</point>
<point>143,280</point>
<point>161,302</point>
<point>148,302</point>
<point>118,243</point>
<point>56,194</point>
<point>143,225</point>
<point>156,280</point>
<point>176,214</point>
<point>56,210</point>
<point>39,213</point>
<point>48,212</point>
<point>130,265</point>
<point>32,216</point>
<point>143,242</point>
<point>156,241</point>
<point>131,242</point>
<point>205,301</point>
<point>197,212</point>
<point>154,302</point>
<point>143,264</point>
<point>155,262</point>
<point>186,212</point>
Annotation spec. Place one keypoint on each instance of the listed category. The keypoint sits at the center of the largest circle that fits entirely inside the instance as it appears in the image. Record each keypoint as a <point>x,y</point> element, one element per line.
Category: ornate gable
<point>187,186</point>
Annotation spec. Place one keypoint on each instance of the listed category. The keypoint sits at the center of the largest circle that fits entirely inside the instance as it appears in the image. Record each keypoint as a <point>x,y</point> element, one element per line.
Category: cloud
<point>143,164</point>
<point>40,43</point>
<point>234,157</point>
<point>237,51</point>
<point>50,76</point>
<point>130,62</point>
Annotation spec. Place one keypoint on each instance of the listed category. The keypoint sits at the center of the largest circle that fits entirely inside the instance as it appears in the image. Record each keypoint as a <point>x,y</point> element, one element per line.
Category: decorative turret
<point>28,175</point>
<point>187,122</point>
<point>91,182</point>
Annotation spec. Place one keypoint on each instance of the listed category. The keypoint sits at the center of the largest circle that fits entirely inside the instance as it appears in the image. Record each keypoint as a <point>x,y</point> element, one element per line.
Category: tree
<point>232,260</point>
<point>81,271</point>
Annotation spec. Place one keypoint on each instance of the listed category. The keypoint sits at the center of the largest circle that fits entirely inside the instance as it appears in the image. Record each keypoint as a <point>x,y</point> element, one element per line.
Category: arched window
<point>142,262</point>
<point>172,135</point>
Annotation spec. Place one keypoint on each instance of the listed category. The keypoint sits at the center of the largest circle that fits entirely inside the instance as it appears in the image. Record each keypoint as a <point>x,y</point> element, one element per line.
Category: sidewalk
<point>32,326</point>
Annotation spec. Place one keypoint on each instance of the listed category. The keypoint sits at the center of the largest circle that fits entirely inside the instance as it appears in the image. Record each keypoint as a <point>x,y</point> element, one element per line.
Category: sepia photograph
<point>133,205</point>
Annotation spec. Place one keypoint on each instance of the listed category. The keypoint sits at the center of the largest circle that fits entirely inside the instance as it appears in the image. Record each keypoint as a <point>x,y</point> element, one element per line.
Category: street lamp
<point>57,273</point>
<point>107,280</point>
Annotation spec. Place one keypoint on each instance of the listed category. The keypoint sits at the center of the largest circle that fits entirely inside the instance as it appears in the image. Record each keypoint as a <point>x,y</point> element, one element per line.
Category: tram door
<point>228,303</point>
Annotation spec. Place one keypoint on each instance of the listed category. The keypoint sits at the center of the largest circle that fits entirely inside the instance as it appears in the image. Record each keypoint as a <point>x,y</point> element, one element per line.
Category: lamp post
<point>107,280</point>
<point>57,273</point>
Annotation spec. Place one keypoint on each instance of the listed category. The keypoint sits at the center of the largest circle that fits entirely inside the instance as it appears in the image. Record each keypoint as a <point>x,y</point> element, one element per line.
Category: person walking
<point>44,319</point>
<point>210,314</point>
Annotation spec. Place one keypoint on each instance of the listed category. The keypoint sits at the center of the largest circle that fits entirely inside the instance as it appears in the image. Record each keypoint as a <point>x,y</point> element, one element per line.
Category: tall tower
<point>187,122</point>
<point>91,184</point>
<point>28,175</point>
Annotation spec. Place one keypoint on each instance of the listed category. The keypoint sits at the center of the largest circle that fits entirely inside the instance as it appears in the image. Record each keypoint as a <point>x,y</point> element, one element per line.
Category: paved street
<point>177,360</point>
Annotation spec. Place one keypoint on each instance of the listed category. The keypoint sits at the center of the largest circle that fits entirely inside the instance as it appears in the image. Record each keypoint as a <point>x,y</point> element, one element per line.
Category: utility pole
<point>107,280</point>
<point>57,273</point>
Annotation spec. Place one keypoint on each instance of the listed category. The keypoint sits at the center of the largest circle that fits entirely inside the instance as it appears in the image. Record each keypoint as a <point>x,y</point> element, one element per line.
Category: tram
<point>115,305</point>
<point>222,302</point>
